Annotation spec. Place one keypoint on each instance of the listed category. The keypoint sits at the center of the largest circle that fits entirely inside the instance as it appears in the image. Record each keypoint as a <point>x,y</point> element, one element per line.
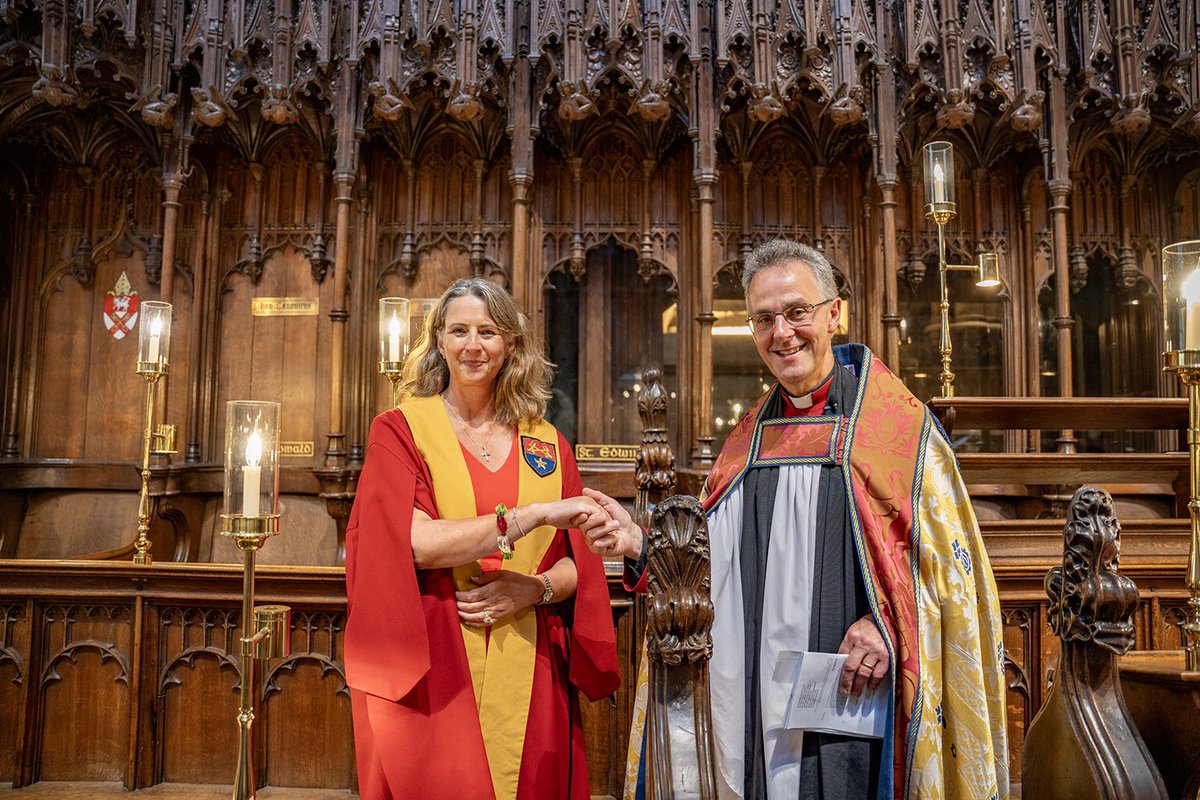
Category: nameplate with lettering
<point>296,449</point>
<point>284,307</point>
<point>606,452</point>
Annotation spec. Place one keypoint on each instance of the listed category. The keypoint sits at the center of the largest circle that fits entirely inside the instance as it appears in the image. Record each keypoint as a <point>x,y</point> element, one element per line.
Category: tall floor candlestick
<point>939,187</point>
<point>154,348</point>
<point>251,468</point>
<point>1181,309</point>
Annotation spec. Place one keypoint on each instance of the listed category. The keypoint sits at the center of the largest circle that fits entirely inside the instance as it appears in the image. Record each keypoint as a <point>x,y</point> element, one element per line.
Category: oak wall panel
<point>14,683</point>
<point>305,699</point>
<point>74,524</point>
<point>307,536</point>
<point>85,682</point>
<point>199,707</point>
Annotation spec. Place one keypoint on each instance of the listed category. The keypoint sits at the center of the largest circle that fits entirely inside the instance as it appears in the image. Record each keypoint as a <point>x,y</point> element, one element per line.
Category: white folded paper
<point>816,704</point>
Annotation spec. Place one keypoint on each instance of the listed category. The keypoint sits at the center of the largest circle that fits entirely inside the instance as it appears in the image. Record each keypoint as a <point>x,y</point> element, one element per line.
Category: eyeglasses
<point>796,316</point>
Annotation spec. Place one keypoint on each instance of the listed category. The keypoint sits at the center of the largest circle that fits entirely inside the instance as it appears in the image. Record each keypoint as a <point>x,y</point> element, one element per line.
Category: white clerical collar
<point>804,401</point>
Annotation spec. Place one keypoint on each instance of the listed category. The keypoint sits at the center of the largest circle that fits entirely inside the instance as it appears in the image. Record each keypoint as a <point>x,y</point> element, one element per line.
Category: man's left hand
<point>866,657</point>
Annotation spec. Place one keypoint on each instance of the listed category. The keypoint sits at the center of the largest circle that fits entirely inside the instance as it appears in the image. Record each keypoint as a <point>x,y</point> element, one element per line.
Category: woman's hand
<point>615,536</point>
<point>570,512</point>
<point>498,595</point>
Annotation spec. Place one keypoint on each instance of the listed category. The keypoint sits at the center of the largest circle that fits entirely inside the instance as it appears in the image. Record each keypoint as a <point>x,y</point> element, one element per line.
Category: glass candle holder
<point>251,459</point>
<point>989,270</point>
<point>393,333</point>
<point>939,177</point>
<point>154,336</point>
<point>1181,295</point>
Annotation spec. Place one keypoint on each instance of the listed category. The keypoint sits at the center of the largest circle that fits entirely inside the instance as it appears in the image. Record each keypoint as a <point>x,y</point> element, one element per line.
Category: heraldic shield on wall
<point>121,308</point>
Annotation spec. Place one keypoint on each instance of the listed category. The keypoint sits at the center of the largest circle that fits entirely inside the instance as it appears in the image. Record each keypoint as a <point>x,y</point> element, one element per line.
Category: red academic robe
<point>416,725</point>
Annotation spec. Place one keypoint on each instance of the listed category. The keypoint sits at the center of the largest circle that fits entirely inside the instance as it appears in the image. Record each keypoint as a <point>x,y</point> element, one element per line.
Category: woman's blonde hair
<point>522,386</point>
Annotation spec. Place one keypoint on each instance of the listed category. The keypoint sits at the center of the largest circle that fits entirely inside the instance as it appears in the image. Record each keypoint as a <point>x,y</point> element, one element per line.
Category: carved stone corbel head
<point>1028,114</point>
<point>390,103</point>
<point>160,112</point>
<point>846,106</point>
<point>1131,117</point>
<point>764,107</point>
<point>575,105</point>
<point>956,112</point>
<point>465,105</point>
<point>279,108</point>
<point>913,270</point>
<point>53,89</point>
<point>209,109</point>
<point>651,105</point>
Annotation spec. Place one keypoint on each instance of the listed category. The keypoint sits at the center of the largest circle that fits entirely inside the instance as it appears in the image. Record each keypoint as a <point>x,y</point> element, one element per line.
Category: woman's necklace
<point>484,453</point>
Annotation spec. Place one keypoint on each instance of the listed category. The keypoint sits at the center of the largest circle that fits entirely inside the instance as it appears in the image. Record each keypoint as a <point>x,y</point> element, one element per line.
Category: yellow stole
<point>502,672</point>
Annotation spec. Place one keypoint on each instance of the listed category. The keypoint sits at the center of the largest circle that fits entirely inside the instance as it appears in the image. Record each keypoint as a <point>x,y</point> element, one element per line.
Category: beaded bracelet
<point>502,543</point>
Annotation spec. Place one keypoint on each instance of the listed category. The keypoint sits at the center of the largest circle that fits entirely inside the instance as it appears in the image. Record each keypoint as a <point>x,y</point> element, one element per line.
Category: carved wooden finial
<point>1089,600</point>
<point>1083,744</point>
<point>679,614</point>
<point>679,619</point>
<point>654,470</point>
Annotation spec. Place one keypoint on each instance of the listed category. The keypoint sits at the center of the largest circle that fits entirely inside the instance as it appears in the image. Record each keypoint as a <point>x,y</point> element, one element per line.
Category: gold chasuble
<point>502,668</point>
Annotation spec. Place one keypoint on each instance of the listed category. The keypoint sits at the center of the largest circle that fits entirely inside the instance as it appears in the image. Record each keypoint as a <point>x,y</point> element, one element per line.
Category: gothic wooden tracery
<point>220,150</point>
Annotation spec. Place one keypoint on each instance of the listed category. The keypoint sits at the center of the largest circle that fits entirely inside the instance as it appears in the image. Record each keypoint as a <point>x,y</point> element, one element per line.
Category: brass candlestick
<point>1181,308</point>
<point>393,371</point>
<point>154,347</point>
<point>393,341</point>
<point>939,187</point>
<point>251,475</point>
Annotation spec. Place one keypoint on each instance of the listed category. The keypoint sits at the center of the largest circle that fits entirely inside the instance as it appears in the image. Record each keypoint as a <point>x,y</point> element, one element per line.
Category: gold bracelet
<point>548,593</point>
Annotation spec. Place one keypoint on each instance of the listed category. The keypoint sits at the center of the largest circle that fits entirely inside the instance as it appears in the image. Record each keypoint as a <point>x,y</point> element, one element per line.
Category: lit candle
<point>394,339</point>
<point>251,475</point>
<point>1190,289</point>
<point>939,184</point>
<point>155,338</point>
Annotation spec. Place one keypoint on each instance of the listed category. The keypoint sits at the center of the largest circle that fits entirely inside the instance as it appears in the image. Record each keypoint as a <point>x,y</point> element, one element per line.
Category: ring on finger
<point>488,619</point>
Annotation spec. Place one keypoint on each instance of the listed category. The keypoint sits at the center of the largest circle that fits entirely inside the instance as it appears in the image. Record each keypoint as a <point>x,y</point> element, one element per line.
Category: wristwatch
<point>548,593</point>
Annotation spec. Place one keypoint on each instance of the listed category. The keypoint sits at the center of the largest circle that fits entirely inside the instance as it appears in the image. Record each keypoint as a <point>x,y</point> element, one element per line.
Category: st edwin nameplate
<point>284,307</point>
<point>606,452</point>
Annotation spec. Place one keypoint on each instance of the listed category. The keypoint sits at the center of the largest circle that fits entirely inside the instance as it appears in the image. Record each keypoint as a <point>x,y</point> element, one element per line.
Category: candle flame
<point>938,175</point>
<point>1190,287</point>
<point>156,326</point>
<point>394,326</point>
<point>253,450</point>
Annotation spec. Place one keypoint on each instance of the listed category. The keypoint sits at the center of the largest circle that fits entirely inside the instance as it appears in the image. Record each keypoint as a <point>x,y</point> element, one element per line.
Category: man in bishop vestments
<point>838,523</point>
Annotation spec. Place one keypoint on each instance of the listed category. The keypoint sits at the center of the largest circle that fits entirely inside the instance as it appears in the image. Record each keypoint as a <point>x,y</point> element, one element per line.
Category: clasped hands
<point>498,594</point>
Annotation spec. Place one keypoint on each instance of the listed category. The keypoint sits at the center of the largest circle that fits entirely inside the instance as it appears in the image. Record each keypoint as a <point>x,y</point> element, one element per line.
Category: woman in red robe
<point>476,611</point>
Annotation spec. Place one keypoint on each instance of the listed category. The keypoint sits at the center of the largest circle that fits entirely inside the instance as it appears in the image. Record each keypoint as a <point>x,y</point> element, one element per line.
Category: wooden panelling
<point>85,674</point>
<point>175,707</point>
<point>78,626</point>
<point>14,682</point>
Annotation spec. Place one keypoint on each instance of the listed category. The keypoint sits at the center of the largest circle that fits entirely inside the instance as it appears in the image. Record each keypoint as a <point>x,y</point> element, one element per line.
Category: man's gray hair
<point>779,252</point>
